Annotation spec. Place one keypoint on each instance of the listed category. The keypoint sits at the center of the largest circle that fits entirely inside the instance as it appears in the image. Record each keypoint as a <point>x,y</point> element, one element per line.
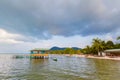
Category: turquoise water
<point>65,68</point>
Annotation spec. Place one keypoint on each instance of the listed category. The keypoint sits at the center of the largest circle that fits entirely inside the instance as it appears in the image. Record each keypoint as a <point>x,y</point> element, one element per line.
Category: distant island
<point>63,48</point>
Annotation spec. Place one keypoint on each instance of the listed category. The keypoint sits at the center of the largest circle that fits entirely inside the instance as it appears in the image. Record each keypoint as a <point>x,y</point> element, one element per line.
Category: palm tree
<point>98,45</point>
<point>118,38</point>
<point>117,45</point>
<point>88,49</point>
<point>109,44</point>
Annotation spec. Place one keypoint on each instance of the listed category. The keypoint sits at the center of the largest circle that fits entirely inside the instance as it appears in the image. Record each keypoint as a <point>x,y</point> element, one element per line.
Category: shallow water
<point>66,68</point>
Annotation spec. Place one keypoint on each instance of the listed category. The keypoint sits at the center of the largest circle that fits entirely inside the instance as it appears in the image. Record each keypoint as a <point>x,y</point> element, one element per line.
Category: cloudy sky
<point>27,24</point>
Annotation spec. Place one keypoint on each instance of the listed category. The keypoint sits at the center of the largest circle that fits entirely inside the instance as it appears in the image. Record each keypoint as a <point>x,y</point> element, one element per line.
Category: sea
<point>64,68</point>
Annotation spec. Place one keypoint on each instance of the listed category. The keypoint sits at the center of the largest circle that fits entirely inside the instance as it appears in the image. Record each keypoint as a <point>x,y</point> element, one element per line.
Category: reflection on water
<point>107,70</point>
<point>66,68</point>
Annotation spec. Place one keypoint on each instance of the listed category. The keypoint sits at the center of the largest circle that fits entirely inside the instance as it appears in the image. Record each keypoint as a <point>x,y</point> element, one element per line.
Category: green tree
<point>117,45</point>
<point>88,49</point>
<point>98,45</point>
<point>118,38</point>
<point>78,51</point>
<point>109,45</point>
<point>67,50</point>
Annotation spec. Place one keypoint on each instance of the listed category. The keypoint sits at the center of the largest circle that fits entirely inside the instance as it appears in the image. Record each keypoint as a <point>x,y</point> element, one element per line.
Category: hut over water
<point>39,53</point>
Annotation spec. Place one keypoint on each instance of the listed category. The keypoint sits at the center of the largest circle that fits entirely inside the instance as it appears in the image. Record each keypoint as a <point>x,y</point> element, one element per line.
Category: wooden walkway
<point>39,56</point>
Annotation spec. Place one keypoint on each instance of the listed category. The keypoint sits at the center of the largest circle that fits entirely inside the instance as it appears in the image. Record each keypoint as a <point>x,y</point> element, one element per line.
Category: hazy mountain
<point>59,48</point>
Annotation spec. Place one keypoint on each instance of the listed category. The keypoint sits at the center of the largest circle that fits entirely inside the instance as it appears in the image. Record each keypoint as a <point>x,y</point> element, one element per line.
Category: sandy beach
<point>96,57</point>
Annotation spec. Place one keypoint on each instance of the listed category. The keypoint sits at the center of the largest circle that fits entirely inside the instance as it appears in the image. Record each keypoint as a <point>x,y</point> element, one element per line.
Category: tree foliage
<point>97,46</point>
<point>118,38</point>
<point>66,51</point>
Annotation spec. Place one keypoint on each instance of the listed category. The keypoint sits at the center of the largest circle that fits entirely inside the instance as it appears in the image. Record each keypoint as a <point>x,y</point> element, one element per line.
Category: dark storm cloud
<point>42,19</point>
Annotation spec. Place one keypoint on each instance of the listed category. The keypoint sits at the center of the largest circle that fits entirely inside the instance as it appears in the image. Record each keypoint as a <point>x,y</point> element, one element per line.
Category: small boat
<point>55,59</point>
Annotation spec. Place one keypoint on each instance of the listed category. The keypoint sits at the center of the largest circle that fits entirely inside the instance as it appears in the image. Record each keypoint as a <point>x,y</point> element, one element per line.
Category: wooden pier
<point>39,53</point>
<point>39,56</point>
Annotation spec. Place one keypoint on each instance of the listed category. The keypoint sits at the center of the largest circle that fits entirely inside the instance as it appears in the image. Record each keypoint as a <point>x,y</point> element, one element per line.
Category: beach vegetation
<point>97,47</point>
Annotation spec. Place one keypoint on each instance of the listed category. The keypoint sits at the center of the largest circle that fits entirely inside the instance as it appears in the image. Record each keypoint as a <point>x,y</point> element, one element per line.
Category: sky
<point>28,24</point>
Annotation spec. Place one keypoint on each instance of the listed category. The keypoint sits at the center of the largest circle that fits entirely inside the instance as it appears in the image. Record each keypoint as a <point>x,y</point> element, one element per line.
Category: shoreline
<point>79,55</point>
<point>94,57</point>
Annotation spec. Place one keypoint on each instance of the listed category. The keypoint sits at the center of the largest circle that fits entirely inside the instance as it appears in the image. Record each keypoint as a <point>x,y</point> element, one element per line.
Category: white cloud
<point>60,41</point>
<point>6,37</point>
